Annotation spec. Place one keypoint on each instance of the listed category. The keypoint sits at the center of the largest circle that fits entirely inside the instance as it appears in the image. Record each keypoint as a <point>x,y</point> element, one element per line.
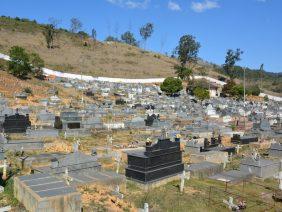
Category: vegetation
<point>146,31</point>
<point>230,60</point>
<point>253,90</point>
<point>231,89</point>
<point>76,25</point>
<point>94,34</point>
<point>19,64</point>
<point>265,98</point>
<point>183,73</point>
<point>187,49</point>
<point>49,33</point>
<point>171,85</point>
<point>201,93</point>
<point>37,65</point>
<point>129,38</point>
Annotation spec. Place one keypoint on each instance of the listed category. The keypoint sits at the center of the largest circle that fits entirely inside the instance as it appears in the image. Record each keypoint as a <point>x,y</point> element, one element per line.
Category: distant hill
<point>110,59</point>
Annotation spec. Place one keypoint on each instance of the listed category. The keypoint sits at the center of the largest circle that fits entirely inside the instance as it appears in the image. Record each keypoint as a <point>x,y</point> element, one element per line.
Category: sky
<point>255,26</point>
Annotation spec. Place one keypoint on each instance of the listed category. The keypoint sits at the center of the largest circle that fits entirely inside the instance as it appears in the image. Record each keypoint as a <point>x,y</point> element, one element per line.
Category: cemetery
<point>149,146</point>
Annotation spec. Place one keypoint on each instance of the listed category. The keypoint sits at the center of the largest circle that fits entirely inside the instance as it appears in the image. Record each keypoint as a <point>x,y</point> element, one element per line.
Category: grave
<point>260,167</point>
<point>246,139</point>
<point>43,192</point>
<point>232,176</point>
<point>16,123</point>
<point>275,150</point>
<point>68,120</point>
<point>204,169</point>
<point>159,161</point>
<point>210,156</point>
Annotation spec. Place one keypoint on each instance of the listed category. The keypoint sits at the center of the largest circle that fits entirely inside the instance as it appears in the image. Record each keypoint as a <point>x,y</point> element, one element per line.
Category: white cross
<point>67,177</point>
<point>238,147</point>
<point>182,181</point>
<point>230,203</point>
<point>4,166</point>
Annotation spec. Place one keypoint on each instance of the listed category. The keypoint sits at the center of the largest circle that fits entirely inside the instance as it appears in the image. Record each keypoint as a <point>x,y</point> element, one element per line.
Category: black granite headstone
<point>158,161</point>
<point>16,123</point>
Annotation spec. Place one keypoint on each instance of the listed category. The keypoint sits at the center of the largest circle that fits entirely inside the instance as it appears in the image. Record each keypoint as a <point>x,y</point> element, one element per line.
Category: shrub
<point>201,93</point>
<point>27,90</point>
<point>265,98</point>
<point>171,85</point>
<point>19,64</point>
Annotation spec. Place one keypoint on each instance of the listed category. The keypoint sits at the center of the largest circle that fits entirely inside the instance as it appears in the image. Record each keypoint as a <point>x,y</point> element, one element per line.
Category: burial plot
<point>204,169</point>
<point>158,162</point>
<point>43,192</point>
<point>246,139</point>
<point>16,123</point>
<point>259,167</point>
<point>275,150</point>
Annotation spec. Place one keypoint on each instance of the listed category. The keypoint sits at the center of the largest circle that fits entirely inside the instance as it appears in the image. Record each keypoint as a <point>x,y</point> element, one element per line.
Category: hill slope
<point>109,59</point>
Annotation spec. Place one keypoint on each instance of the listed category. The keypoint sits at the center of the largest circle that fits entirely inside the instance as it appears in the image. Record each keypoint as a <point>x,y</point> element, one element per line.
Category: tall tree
<point>49,33</point>
<point>129,38</point>
<point>230,60</point>
<point>19,64</point>
<point>76,25</point>
<point>146,31</point>
<point>187,49</point>
<point>261,70</point>
<point>94,34</point>
<point>37,65</point>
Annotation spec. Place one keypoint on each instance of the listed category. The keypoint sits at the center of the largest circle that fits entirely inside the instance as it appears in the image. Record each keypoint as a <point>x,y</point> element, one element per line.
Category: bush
<point>19,64</point>
<point>265,98</point>
<point>253,90</point>
<point>201,93</point>
<point>171,85</point>
<point>27,90</point>
<point>232,90</point>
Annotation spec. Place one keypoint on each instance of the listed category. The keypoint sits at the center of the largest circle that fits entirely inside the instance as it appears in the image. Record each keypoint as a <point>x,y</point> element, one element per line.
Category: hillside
<point>109,59</point>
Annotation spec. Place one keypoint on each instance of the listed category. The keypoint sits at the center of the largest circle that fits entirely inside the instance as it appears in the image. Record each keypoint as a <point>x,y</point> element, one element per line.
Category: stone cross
<point>182,181</point>
<point>230,204</point>
<point>67,177</point>
<point>146,207</point>
<point>65,135</point>
<point>118,159</point>
<point>4,166</point>
<point>238,147</point>
<point>117,193</point>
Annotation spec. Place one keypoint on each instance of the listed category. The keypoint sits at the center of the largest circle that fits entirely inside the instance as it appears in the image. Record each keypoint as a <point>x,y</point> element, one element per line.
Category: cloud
<point>173,6</point>
<point>132,4</point>
<point>203,6</point>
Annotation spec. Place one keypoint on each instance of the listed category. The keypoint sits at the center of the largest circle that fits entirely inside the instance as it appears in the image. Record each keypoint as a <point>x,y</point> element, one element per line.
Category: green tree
<point>253,90</point>
<point>265,98</point>
<point>94,34</point>
<point>171,85</point>
<point>230,60</point>
<point>201,93</point>
<point>37,64</point>
<point>187,49</point>
<point>111,39</point>
<point>49,33</point>
<point>129,38</point>
<point>227,88</point>
<point>183,73</point>
<point>19,64</point>
<point>146,31</point>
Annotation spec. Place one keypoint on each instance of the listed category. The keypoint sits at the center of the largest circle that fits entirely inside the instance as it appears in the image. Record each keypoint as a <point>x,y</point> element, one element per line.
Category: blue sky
<point>255,26</point>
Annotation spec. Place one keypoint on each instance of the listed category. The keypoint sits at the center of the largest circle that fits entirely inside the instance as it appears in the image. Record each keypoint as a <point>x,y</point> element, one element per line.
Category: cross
<point>182,181</point>
<point>238,147</point>
<point>146,207</point>
<point>4,166</point>
<point>117,159</point>
<point>230,204</point>
<point>67,177</point>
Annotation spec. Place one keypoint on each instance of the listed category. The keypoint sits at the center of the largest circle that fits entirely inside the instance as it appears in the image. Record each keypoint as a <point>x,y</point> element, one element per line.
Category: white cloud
<point>203,6</point>
<point>132,4</point>
<point>173,6</point>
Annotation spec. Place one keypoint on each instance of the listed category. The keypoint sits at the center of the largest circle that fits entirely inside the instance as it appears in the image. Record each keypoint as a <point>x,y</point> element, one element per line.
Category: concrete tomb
<point>46,193</point>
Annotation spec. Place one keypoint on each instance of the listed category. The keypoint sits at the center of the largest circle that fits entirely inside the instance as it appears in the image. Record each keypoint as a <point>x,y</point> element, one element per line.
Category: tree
<point>171,85</point>
<point>146,31</point>
<point>265,98</point>
<point>187,49</point>
<point>76,25</point>
<point>49,34</point>
<point>94,34</point>
<point>183,73</point>
<point>261,74</point>
<point>253,90</point>
<point>227,88</point>
<point>111,39</point>
<point>230,60</point>
<point>129,38</point>
<point>37,64</point>
<point>19,62</point>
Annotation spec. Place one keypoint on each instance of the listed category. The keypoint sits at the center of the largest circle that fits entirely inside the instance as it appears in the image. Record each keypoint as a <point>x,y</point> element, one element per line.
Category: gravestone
<point>158,161</point>
<point>16,123</point>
